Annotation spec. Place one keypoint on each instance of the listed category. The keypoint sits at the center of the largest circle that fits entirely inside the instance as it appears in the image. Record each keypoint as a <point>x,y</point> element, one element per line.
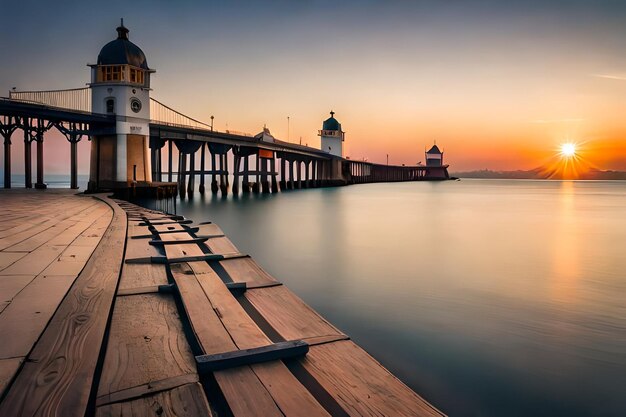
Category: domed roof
<point>331,123</point>
<point>434,149</point>
<point>121,51</point>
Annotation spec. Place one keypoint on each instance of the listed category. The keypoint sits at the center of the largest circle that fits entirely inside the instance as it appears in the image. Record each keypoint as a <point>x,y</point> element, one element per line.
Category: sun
<point>568,150</point>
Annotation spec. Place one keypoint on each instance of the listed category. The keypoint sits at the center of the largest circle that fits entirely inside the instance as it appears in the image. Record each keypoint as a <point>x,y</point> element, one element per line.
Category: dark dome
<point>331,123</point>
<point>434,149</point>
<point>122,52</point>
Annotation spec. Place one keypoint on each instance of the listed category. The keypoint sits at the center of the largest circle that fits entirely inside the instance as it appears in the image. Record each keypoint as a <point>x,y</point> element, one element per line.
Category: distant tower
<point>120,86</point>
<point>332,136</point>
<point>434,157</point>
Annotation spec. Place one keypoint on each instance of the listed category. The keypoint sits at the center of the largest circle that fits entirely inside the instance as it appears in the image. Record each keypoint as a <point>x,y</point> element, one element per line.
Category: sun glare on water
<point>568,149</point>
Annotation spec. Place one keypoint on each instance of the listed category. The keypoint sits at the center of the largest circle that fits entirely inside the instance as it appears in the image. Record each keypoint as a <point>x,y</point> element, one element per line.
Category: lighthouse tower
<point>332,136</point>
<point>120,86</point>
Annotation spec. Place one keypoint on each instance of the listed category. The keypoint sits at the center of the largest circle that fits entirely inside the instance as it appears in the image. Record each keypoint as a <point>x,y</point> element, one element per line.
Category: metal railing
<point>162,114</point>
<point>78,99</point>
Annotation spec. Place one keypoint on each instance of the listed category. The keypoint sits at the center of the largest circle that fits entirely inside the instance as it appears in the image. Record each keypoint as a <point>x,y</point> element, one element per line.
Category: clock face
<point>135,105</point>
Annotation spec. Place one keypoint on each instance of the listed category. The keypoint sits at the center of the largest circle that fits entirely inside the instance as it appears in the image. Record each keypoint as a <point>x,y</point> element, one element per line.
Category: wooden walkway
<point>109,309</point>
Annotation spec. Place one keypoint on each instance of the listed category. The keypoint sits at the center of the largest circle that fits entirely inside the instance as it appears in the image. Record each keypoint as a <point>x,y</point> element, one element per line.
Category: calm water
<point>488,297</point>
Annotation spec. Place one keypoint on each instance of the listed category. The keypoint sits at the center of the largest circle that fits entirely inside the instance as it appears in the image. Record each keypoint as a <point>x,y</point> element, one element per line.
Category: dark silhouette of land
<point>541,173</point>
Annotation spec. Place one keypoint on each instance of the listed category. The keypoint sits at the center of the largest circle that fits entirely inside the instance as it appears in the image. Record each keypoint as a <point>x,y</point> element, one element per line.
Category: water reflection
<point>486,297</point>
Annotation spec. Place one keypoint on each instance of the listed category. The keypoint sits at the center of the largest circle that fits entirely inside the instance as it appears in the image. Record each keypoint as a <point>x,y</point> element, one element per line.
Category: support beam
<point>273,168</point>
<point>214,187</point>
<point>74,164</point>
<point>169,160</point>
<point>246,179</point>
<point>224,174</point>
<point>192,174</point>
<point>202,162</point>
<point>283,174</point>
<point>277,351</point>
<point>28,165</point>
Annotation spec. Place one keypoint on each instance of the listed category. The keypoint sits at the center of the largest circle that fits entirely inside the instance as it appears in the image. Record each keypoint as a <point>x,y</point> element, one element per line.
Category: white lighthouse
<point>120,86</point>
<point>332,136</point>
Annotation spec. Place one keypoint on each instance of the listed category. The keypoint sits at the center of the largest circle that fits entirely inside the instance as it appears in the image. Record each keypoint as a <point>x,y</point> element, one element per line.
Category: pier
<point>111,309</point>
<point>128,130</point>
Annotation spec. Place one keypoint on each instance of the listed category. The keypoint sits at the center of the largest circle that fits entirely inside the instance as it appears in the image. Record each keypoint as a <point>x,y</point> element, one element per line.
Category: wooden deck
<point>97,318</point>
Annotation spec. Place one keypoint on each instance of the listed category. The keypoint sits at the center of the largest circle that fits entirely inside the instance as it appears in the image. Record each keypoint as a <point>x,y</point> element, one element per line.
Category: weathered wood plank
<point>361,385</point>
<point>246,270</point>
<point>184,401</point>
<point>29,312</point>
<point>10,286</point>
<point>8,258</point>
<point>64,359</point>
<point>146,343</point>
<point>8,368</point>
<point>235,358</point>
<point>290,395</point>
<point>245,394</point>
<point>288,314</point>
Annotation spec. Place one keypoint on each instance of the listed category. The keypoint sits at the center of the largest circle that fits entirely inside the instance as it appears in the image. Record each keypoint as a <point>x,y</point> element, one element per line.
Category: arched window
<point>110,105</point>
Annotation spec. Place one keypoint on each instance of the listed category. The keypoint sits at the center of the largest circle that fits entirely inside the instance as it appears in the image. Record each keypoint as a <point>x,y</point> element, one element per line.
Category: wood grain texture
<point>11,285</point>
<point>56,380</point>
<point>361,385</point>
<point>246,270</point>
<point>245,394</point>
<point>8,368</point>
<point>29,313</point>
<point>287,392</point>
<point>288,314</point>
<point>184,401</point>
<point>146,343</point>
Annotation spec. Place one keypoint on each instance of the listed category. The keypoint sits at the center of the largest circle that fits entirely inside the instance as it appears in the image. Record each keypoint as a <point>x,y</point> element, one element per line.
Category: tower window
<point>136,76</point>
<point>111,73</point>
<point>110,105</point>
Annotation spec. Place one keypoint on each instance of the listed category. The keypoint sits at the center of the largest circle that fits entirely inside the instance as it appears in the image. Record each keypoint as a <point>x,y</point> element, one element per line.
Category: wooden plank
<point>184,401</point>
<point>361,385</point>
<point>29,312</point>
<point>246,270</point>
<point>146,343</point>
<point>141,275</point>
<point>245,394</point>
<point>288,314</point>
<point>8,369</point>
<point>64,359</point>
<point>235,358</point>
<point>190,240</point>
<point>11,285</point>
<point>290,395</point>
<point>8,258</point>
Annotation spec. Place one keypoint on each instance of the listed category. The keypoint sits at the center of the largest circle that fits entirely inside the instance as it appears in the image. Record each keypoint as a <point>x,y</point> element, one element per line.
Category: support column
<point>307,183</point>
<point>192,174</point>
<point>182,180</point>
<point>202,158</point>
<point>299,174</point>
<point>246,179</point>
<point>237,165</point>
<point>28,166</point>
<point>283,173</point>
<point>7,161</point>
<point>159,177</point>
<point>73,162</point>
<point>224,175</point>
<point>291,185</point>
<point>273,168</point>
<point>169,160</point>
<point>214,186</point>
<point>265,184</point>
<point>256,186</point>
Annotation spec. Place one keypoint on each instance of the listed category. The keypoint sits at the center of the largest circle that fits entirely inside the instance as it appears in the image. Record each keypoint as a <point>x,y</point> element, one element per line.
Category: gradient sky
<point>498,84</point>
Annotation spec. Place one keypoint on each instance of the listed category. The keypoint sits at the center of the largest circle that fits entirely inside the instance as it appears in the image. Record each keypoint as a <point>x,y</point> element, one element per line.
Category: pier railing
<point>77,99</point>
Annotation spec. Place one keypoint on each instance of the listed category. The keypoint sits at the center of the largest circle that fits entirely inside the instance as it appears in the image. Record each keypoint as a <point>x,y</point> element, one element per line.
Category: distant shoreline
<point>536,174</point>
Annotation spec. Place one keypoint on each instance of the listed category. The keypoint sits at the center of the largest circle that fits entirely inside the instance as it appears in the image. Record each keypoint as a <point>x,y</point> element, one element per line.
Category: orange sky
<point>498,85</point>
